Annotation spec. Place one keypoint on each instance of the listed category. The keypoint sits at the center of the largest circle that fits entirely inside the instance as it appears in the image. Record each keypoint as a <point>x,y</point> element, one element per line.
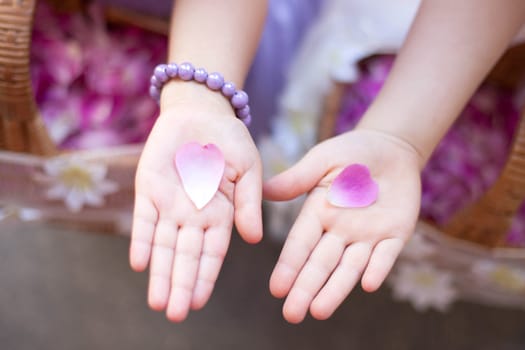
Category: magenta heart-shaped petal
<point>353,188</point>
<point>200,169</point>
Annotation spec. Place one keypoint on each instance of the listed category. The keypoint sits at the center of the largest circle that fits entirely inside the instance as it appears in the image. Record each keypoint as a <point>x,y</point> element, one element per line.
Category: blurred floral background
<point>91,79</point>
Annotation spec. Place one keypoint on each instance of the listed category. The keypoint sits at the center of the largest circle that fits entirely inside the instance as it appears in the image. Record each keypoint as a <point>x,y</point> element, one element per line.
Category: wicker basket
<point>471,246</point>
<point>30,164</point>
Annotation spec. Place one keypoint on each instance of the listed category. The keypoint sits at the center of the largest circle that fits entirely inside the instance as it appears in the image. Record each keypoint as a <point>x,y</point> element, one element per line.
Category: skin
<point>329,250</point>
<point>185,247</point>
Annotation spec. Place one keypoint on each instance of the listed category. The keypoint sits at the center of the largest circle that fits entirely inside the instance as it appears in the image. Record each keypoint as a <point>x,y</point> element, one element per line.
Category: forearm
<point>220,36</point>
<point>451,47</point>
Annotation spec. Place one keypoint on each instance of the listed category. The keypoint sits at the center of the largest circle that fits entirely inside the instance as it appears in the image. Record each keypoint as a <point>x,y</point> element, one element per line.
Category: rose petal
<point>200,169</point>
<point>353,188</point>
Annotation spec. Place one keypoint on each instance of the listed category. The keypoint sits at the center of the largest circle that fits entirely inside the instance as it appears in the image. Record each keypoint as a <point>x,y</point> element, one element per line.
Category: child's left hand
<point>330,248</point>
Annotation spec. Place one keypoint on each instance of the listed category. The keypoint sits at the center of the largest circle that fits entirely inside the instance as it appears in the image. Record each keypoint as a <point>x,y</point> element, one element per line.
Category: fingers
<point>302,239</point>
<point>184,273</point>
<point>184,267</point>
<point>381,262</point>
<point>342,281</point>
<point>248,198</point>
<point>216,242</point>
<point>323,283</point>
<point>312,277</point>
<point>144,220</point>
<point>161,264</point>
<point>299,179</point>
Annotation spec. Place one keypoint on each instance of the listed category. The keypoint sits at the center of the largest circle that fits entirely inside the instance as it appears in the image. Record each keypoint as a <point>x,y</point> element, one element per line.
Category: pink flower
<point>118,73</point>
<point>91,81</point>
<point>95,139</point>
<point>100,110</point>
<point>66,61</point>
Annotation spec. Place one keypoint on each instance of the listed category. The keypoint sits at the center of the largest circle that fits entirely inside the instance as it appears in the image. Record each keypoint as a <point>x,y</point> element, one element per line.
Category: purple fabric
<point>287,22</point>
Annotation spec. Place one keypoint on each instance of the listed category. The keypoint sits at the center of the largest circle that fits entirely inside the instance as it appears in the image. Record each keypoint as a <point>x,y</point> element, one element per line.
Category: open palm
<point>329,248</point>
<point>184,246</point>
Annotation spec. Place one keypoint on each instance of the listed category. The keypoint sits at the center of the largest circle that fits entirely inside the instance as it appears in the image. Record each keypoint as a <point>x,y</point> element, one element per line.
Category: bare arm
<point>219,36</point>
<point>185,246</point>
<point>451,47</point>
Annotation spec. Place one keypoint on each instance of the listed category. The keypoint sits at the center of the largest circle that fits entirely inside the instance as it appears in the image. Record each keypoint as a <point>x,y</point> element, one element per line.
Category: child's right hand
<point>185,247</point>
<point>329,248</point>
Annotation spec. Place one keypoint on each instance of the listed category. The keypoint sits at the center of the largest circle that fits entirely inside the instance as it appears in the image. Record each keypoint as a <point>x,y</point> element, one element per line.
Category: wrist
<point>400,141</point>
<point>186,73</point>
<point>176,93</point>
<point>410,124</point>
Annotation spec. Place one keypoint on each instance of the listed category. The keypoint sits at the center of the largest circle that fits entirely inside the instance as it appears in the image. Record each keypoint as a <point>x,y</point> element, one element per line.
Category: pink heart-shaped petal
<point>353,188</point>
<point>200,169</point>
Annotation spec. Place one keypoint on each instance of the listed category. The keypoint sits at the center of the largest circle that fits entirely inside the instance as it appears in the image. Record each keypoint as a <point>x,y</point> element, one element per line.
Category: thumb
<point>298,179</point>
<point>248,211</point>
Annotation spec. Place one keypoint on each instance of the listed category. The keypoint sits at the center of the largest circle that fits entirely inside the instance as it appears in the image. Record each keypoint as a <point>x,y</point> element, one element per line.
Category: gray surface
<point>71,290</point>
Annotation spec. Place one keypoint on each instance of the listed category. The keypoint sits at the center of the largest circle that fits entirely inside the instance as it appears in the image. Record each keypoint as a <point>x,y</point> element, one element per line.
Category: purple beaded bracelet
<point>214,81</point>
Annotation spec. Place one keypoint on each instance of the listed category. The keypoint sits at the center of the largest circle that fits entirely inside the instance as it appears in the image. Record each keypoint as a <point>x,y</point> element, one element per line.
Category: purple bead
<point>155,82</point>
<point>243,112</point>
<point>228,89</point>
<point>154,92</point>
<point>215,81</point>
<point>248,120</point>
<point>186,71</point>
<point>200,75</point>
<point>160,73</point>
<point>171,70</point>
<point>239,99</point>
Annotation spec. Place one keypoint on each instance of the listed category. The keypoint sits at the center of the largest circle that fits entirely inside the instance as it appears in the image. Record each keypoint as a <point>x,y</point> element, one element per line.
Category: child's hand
<point>330,248</point>
<point>185,247</point>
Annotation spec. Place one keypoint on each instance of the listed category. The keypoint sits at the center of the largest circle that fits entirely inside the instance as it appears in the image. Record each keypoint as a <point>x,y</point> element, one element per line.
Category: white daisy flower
<point>423,286</point>
<point>77,182</point>
<point>29,214</point>
<point>500,275</point>
<point>418,248</point>
<point>273,157</point>
<point>5,212</point>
